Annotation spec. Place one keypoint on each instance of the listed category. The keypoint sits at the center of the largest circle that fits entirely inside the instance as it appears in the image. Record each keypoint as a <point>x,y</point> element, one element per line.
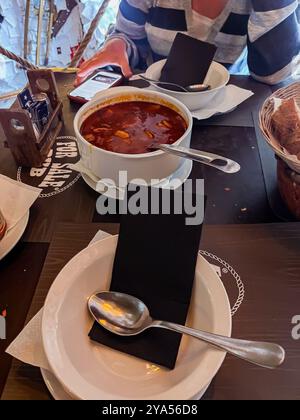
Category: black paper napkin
<point>155,261</point>
<point>188,62</point>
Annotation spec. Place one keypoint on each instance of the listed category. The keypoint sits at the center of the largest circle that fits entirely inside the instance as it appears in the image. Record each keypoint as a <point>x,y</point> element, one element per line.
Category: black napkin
<point>188,62</point>
<point>155,261</point>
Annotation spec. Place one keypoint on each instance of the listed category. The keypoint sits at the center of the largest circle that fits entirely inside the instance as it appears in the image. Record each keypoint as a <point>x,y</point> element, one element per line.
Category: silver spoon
<point>187,89</point>
<point>219,162</point>
<point>125,315</point>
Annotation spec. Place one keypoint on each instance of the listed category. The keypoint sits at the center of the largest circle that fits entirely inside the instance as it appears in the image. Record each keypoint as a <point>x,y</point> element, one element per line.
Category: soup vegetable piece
<point>132,127</point>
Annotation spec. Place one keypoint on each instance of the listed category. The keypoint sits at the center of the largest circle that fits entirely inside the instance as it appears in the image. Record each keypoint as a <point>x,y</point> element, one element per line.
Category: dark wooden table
<point>266,259</point>
<point>62,225</point>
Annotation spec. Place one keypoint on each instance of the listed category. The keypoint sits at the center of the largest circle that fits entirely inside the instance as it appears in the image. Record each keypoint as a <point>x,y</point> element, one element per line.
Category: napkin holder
<point>28,149</point>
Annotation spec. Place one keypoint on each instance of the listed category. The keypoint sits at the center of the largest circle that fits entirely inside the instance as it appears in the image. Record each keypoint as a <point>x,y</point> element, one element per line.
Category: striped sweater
<point>261,34</point>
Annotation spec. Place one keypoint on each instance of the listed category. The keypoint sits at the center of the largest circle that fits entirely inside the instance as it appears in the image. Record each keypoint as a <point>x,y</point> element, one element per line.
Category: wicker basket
<point>265,121</point>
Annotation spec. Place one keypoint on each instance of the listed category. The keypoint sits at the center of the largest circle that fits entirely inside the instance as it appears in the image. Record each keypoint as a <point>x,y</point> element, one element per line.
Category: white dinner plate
<point>13,236</point>
<point>90,371</point>
<point>181,175</point>
<point>55,387</point>
<point>58,393</point>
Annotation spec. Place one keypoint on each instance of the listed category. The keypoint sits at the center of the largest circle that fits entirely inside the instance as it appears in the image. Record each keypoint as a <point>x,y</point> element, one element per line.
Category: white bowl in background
<point>107,165</point>
<point>217,77</point>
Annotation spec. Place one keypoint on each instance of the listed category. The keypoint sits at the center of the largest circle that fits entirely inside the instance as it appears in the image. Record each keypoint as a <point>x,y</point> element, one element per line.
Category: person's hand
<point>114,53</point>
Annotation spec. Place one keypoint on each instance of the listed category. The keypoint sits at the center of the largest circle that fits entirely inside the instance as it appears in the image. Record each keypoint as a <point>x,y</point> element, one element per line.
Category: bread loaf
<point>286,126</point>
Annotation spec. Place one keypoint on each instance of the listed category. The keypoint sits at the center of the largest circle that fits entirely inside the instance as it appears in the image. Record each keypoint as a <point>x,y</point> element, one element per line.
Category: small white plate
<point>11,239</point>
<point>181,175</point>
<point>90,371</point>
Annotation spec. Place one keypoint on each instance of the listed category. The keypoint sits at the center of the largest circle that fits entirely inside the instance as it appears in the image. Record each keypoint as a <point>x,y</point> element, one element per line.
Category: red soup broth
<point>131,127</point>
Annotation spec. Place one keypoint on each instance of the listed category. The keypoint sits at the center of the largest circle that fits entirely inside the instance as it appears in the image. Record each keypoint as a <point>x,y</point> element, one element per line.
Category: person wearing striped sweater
<point>257,36</point>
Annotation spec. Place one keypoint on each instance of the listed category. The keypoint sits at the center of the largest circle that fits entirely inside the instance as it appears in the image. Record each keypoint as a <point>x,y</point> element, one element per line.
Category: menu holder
<point>155,261</point>
<point>188,62</point>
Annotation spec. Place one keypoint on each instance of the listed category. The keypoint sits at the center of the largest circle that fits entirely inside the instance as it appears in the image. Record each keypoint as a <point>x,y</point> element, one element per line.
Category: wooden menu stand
<point>17,125</point>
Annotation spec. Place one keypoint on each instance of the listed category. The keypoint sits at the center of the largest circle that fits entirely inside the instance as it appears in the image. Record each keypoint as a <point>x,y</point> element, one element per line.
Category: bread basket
<point>265,121</point>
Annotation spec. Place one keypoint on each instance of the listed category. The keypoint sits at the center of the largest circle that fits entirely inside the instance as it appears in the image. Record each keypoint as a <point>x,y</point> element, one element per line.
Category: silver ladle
<point>210,159</point>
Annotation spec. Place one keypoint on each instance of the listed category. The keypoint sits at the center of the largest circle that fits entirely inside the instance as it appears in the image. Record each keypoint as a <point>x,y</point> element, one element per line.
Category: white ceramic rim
<point>186,169</point>
<point>128,90</point>
<point>215,63</point>
<point>54,386</point>
<point>11,239</point>
<point>59,394</point>
<point>180,391</point>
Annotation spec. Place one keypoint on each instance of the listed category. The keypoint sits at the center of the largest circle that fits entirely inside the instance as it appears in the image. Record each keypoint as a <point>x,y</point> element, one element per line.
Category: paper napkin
<point>28,346</point>
<point>16,199</point>
<point>228,99</point>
